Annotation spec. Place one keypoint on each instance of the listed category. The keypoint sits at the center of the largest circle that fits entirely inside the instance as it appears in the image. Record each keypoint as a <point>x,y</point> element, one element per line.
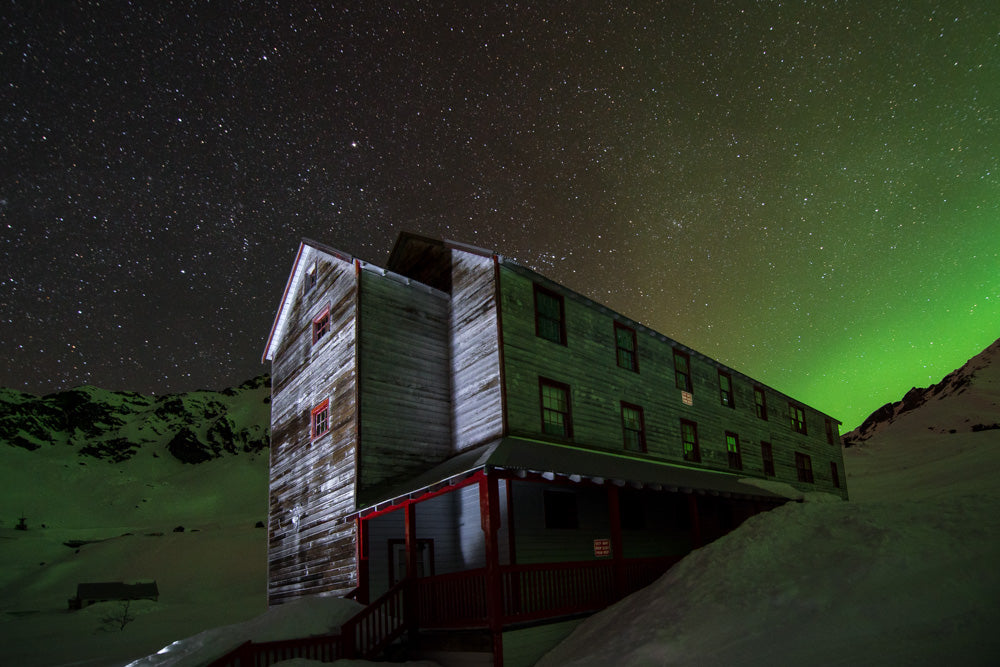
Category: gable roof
<point>308,250</point>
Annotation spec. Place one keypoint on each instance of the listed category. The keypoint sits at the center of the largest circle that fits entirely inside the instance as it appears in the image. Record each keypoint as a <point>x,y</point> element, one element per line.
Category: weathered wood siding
<point>312,481</point>
<point>405,389</point>
<point>475,358</point>
<point>588,364</point>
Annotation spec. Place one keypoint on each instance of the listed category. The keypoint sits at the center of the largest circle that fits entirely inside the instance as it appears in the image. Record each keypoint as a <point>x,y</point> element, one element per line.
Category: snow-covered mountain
<point>193,427</point>
<point>109,489</point>
<point>965,400</point>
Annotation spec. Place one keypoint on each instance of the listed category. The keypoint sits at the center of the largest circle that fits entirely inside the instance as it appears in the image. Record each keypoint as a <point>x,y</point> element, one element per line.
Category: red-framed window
<point>726,389</point>
<point>633,427</point>
<point>626,348</point>
<point>550,315</point>
<point>319,420</point>
<point>554,400</point>
<point>831,432</point>
<point>321,325</point>
<point>804,468</point>
<point>689,441</point>
<point>767,454</point>
<point>834,474</point>
<point>760,402</point>
<point>682,370</point>
<point>733,451</point>
<point>797,417</point>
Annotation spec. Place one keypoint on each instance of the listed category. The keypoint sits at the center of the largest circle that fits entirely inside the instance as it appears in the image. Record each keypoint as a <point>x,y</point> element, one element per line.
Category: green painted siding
<point>588,364</point>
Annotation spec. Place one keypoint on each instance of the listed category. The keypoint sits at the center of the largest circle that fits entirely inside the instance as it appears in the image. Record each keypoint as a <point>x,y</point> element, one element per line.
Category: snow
<point>905,573</point>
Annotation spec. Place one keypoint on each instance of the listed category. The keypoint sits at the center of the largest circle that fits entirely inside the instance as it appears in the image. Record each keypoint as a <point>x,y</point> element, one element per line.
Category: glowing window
<point>797,416</point>
<point>689,440</point>
<point>554,400</point>
<point>733,451</point>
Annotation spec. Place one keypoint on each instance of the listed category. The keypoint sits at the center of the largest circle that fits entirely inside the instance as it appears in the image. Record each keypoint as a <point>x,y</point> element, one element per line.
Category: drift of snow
<point>904,574</point>
<point>306,617</point>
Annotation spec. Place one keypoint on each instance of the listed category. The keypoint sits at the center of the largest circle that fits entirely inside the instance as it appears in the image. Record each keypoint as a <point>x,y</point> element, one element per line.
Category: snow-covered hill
<point>903,574</point>
<point>109,491</point>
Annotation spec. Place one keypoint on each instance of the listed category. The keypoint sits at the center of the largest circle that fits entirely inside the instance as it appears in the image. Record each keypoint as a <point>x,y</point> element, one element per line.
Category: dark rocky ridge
<point>115,426</point>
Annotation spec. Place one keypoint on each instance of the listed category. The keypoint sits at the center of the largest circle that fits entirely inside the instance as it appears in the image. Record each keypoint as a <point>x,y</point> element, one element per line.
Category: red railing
<point>453,600</point>
<point>377,625</point>
<point>459,600</point>
<point>262,654</point>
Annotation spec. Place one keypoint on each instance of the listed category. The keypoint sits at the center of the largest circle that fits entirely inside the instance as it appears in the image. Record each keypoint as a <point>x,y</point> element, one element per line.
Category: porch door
<point>397,559</point>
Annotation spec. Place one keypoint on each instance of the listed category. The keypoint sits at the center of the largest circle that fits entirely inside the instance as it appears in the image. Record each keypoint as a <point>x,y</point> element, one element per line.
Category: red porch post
<point>695,521</point>
<point>410,594</point>
<point>362,537</point>
<point>489,516</point>
<point>617,548</point>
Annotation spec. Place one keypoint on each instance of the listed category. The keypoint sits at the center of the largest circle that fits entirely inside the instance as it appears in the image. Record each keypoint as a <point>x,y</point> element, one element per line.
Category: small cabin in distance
<point>514,449</point>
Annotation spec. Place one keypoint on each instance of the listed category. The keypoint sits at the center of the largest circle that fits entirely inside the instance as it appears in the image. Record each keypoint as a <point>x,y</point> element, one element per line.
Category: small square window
<point>767,454</point>
<point>733,451</point>
<point>797,416</point>
<point>834,474</point>
<point>803,466</point>
<point>554,401</point>
<point>560,510</point>
<point>689,440</point>
<point>321,325</point>
<point>550,315</point>
<point>682,370</point>
<point>760,402</point>
<point>726,389</point>
<point>626,349</point>
<point>320,419</point>
<point>633,427</point>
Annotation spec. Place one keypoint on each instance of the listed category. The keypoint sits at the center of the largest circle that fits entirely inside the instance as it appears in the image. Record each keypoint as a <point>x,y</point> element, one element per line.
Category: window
<point>310,278</point>
<point>797,415</point>
<point>320,419</point>
<point>760,402</point>
<point>554,400</point>
<point>831,432</point>
<point>803,465</point>
<point>321,325</point>
<point>633,427</point>
<point>682,370</point>
<point>560,510</point>
<point>631,510</point>
<point>733,450</point>
<point>550,315</point>
<point>834,474</point>
<point>626,347</point>
<point>726,389</point>
<point>767,454</point>
<point>689,438</point>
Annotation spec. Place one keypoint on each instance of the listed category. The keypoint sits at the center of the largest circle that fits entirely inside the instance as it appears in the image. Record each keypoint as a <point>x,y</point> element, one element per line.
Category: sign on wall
<point>602,548</point>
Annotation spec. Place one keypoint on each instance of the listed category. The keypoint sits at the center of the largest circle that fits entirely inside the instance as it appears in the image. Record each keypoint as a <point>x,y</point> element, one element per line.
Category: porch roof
<point>521,456</point>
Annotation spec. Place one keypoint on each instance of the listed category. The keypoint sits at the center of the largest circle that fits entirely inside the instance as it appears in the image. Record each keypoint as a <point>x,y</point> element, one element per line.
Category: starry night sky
<point>806,191</point>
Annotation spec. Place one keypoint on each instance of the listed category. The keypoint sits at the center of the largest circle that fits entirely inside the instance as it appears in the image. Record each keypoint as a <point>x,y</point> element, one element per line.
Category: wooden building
<point>519,449</point>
